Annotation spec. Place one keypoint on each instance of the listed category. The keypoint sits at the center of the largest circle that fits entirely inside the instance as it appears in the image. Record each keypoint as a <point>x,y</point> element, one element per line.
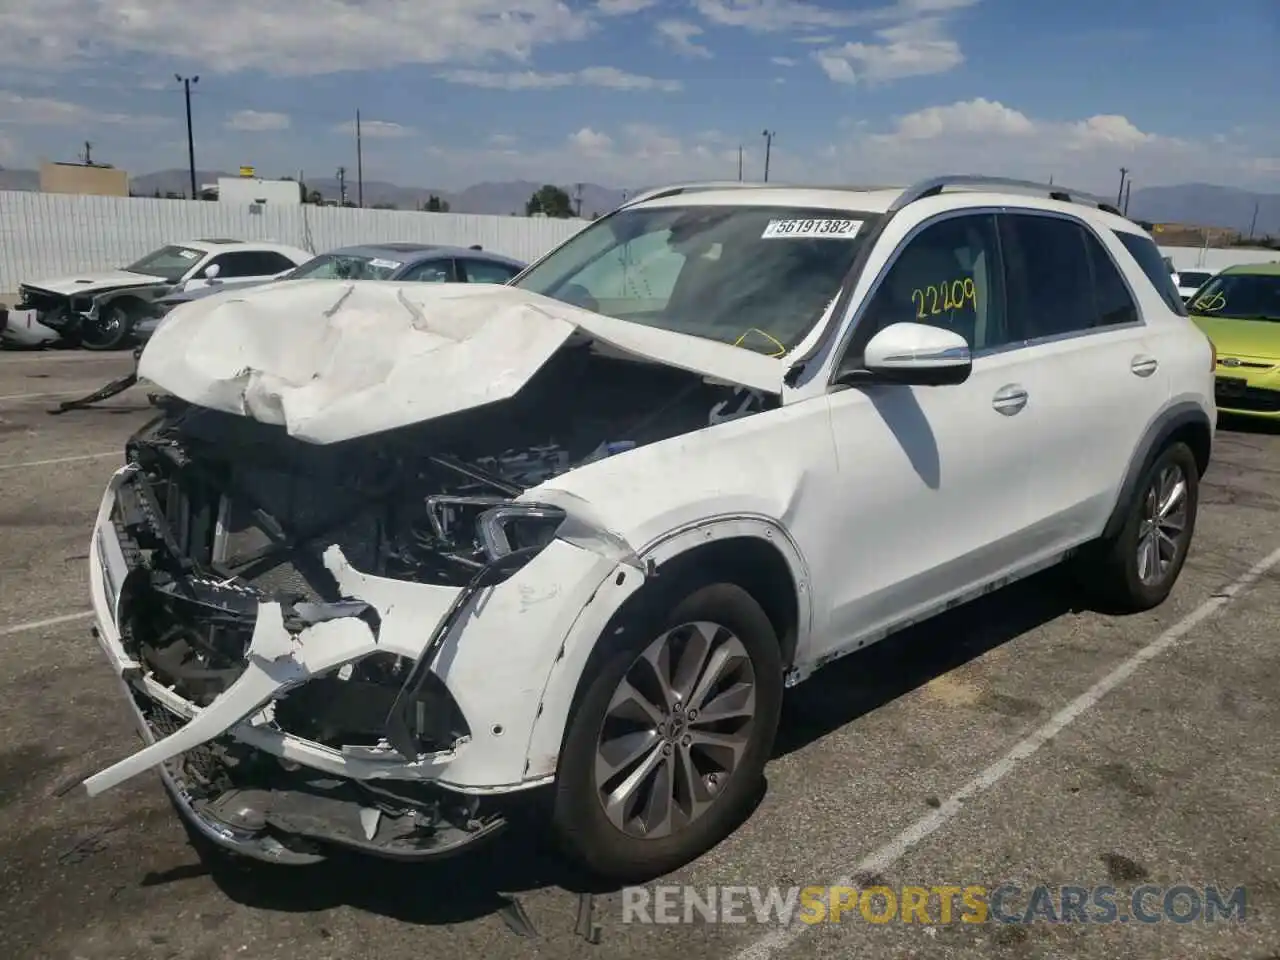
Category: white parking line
<point>48,463</point>
<point>65,356</point>
<point>880,860</point>
<point>39,396</point>
<point>51,622</point>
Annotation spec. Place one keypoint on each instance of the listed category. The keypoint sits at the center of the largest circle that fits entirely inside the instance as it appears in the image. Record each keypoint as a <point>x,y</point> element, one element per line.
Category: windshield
<point>168,263</point>
<point>1240,296</point>
<point>755,277</point>
<point>345,266</point>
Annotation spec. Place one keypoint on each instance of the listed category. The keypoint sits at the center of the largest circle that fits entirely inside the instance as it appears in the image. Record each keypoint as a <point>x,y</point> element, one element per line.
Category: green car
<point>1239,311</point>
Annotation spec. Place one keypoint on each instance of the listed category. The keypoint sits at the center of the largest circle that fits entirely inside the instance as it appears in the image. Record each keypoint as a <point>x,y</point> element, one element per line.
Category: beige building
<point>78,178</point>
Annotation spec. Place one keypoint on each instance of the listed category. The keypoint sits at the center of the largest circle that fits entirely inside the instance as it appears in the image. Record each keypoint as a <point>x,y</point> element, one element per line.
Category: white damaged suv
<point>397,558</point>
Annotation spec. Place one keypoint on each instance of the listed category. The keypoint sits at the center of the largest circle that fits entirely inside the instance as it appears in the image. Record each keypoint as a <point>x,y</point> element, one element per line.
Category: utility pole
<point>768,147</point>
<point>359,165</point>
<point>88,154</point>
<point>578,199</point>
<point>1128,189</point>
<point>739,161</point>
<point>1124,172</point>
<point>1254,222</point>
<point>191,143</point>
<point>342,186</point>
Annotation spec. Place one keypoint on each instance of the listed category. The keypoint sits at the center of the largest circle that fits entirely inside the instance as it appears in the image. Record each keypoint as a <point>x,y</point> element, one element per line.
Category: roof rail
<point>676,189</point>
<point>935,185</point>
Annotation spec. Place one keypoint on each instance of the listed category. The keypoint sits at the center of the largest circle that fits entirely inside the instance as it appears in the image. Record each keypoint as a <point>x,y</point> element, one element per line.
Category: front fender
<point>593,624</point>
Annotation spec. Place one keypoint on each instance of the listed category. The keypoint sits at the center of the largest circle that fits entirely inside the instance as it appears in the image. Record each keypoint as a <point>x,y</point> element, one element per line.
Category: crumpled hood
<point>94,282</point>
<point>335,359</point>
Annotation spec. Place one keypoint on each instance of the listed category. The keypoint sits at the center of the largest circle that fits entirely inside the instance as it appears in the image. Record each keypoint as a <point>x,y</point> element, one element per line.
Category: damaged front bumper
<point>248,783</point>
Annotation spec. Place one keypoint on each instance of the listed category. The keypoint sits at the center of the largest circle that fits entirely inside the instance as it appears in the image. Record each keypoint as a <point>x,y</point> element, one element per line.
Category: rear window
<point>1192,278</point>
<point>1154,265</point>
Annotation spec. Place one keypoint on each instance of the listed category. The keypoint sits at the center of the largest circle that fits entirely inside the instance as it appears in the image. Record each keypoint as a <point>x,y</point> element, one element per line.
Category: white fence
<point>49,235</point>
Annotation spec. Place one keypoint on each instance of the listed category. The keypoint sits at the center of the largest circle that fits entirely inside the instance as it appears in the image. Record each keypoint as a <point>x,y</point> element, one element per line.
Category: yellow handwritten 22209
<point>944,297</point>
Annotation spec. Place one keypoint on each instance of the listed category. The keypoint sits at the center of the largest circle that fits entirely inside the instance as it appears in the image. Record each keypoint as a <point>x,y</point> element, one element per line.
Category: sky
<point>627,93</point>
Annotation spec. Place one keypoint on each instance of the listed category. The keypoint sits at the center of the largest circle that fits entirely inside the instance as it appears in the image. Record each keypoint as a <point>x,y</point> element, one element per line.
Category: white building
<point>250,191</point>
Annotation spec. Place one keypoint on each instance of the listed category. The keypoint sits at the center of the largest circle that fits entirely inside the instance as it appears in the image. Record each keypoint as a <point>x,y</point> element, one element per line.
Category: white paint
<point>883,858</point>
<point>14,397</point>
<point>46,235</point>
<point>39,624</point>
<point>61,356</point>
<point>56,460</point>
<point>335,359</point>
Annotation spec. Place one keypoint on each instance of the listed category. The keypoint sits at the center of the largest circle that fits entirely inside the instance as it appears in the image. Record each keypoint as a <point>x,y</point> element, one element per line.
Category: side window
<point>1156,267</point>
<point>433,271</point>
<point>1114,303</point>
<point>947,276</point>
<point>486,271</point>
<point>272,263</point>
<point>246,263</point>
<point>1049,276</point>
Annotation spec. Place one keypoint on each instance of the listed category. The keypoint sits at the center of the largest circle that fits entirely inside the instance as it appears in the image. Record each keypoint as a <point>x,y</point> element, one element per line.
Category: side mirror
<point>916,354</point>
<point>211,271</point>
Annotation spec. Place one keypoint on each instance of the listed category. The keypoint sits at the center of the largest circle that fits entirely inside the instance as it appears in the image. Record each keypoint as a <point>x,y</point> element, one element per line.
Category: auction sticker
<point>385,264</point>
<point>808,229</point>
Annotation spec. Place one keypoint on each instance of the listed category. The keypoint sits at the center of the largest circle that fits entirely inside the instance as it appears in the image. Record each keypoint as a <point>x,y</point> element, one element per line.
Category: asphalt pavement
<point>1016,743</point>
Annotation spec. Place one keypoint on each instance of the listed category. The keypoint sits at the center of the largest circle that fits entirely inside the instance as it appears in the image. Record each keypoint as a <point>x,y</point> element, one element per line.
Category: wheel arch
<point>1185,422</point>
<point>754,552</point>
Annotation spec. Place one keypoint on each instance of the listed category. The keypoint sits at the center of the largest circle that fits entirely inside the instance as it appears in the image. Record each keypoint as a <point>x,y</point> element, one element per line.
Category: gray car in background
<point>413,262</point>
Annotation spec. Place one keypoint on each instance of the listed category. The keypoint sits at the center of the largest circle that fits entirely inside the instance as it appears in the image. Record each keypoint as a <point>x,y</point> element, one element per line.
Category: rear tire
<point>628,728</point>
<point>1137,568</point>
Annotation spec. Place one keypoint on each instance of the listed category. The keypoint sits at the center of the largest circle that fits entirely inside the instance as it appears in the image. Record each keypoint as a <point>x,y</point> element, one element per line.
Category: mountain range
<point>1202,204</point>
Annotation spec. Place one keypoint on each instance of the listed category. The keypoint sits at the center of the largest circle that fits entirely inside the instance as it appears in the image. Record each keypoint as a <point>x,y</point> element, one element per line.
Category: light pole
<point>191,143</point>
<point>1124,172</point>
<point>768,147</point>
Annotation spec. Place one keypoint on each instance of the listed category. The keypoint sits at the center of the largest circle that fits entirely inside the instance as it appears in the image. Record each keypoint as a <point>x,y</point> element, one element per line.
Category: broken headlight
<point>517,529</point>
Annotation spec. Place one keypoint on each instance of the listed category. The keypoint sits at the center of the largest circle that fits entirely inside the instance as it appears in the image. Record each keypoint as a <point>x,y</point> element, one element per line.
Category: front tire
<point>113,329</point>
<point>667,745</point>
<point>1137,568</point>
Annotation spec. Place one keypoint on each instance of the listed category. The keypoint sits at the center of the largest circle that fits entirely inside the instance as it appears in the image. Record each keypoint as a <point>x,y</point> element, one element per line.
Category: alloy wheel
<point>675,730</point>
<point>1163,524</point>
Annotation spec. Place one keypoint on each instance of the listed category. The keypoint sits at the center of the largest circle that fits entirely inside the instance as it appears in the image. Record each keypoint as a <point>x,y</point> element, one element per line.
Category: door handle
<point>1143,366</point>
<point>1009,399</point>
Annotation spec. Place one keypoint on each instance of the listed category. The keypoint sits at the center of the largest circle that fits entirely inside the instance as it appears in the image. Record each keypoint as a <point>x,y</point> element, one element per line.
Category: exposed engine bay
<point>226,512</point>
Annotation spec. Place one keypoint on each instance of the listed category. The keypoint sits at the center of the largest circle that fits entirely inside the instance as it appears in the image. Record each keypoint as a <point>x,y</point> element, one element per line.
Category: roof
<point>226,246</point>
<point>1259,269</point>
<point>935,195</point>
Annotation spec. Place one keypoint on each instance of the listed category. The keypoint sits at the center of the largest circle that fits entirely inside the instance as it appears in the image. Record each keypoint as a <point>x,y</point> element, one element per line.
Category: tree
<point>316,197</point>
<point>435,205</point>
<point>550,201</point>
<point>385,206</point>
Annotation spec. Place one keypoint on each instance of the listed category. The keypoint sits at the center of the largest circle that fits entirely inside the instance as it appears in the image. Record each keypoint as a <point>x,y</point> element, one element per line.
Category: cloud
<point>783,61</point>
<point>255,121</point>
<point>46,111</point>
<point>374,129</point>
<point>983,136</point>
<point>621,8</point>
<point>609,77</point>
<point>590,142</point>
<point>287,37</point>
<point>770,16</point>
<point>679,35</point>
<point>914,49</point>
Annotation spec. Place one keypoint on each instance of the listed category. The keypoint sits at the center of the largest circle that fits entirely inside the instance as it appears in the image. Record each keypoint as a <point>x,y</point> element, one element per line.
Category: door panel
<point>931,494</point>
<point>1092,362</point>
